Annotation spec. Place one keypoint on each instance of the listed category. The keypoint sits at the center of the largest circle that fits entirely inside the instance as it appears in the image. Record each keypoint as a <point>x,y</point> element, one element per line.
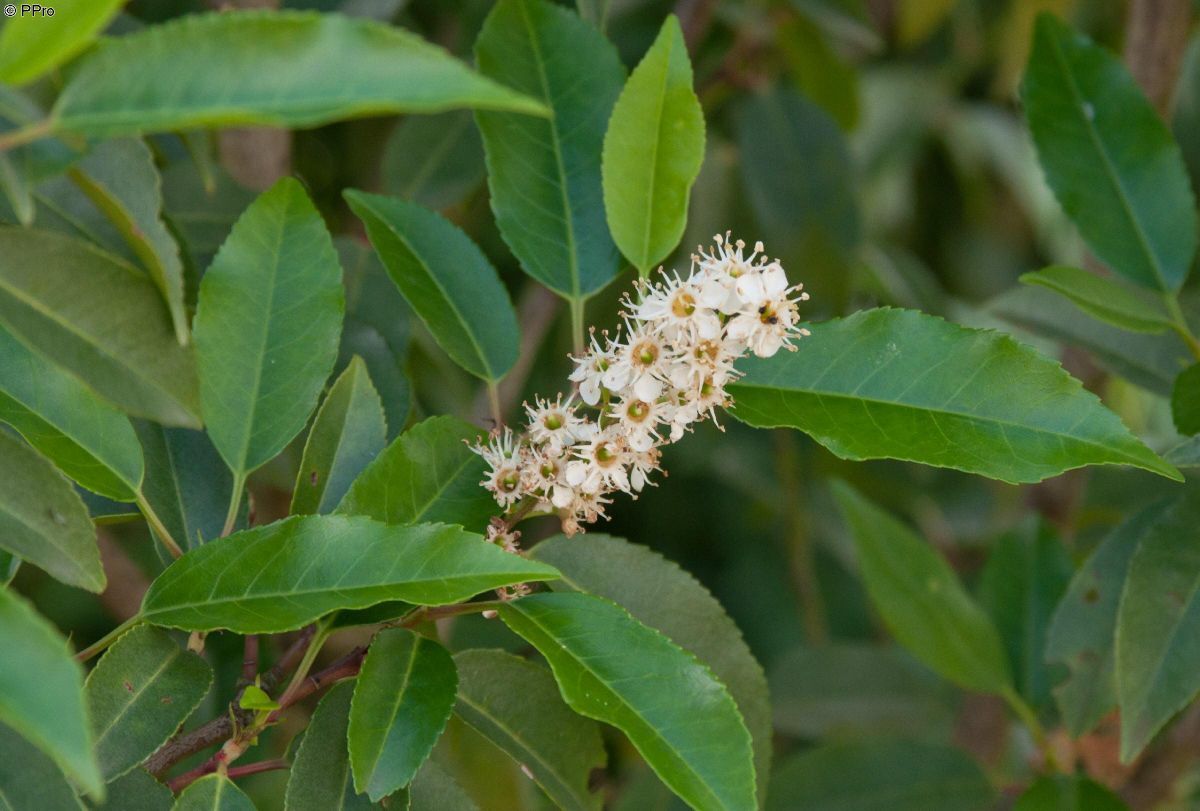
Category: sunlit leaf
<point>32,44</point>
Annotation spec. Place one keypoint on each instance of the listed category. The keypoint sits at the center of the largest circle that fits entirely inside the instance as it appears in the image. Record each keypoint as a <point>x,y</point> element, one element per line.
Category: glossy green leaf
<point>1106,299</point>
<point>100,319</point>
<point>660,594</point>
<point>856,690</point>
<point>267,326</point>
<point>1068,793</point>
<point>284,68</point>
<point>84,436</point>
<point>653,149</point>
<point>31,780</point>
<point>120,179</point>
<point>898,384</point>
<point>881,775</point>
<point>1157,664</point>
<point>42,519</point>
<point>1185,401</point>
<point>320,774</point>
<point>349,431</point>
<point>284,575</point>
<point>1026,574</point>
<point>139,693</point>
<point>516,705</point>
<point>214,792</point>
<point>136,791</point>
<point>41,692</point>
<point>447,281</point>
<point>31,44</point>
<point>612,668</point>
<point>1150,361</point>
<point>402,699</point>
<point>186,483</point>
<point>1081,632</point>
<point>434,160</point>
<point>427,474</point>
<point>544,174</point>
<point>1109,158</point>
<point>255,698</point>
<point>434,787</point>
<point>921,600</point>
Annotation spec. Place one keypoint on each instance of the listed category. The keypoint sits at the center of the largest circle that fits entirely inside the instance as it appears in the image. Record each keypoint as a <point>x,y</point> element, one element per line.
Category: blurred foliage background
<point>877,147</point>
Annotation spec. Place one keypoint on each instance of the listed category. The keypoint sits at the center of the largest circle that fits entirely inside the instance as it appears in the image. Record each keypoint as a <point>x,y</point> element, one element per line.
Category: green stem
<point>103,642</point>
<point>493,389</point>
<point>1029,718</point>
<point>310,656</point>
<point>577,307</point>
<point>235,503</point>
<point>157,525</point>
<point>1179,322</point>
<point>24,135</point>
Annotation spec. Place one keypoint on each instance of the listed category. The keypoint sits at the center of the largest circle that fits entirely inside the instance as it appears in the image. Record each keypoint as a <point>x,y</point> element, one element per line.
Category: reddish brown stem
<point>250,659</point>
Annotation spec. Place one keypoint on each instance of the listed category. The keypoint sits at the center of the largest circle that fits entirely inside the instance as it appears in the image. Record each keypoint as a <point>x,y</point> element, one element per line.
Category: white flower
<point>600,463</point>
<point>641,364</point>
<point>769,316</point>
<point>639,420</point>
<point>591,367</point>
<point>545,475</point>
<point>641,465</point>
<point>673,308</point>
<point>555,423</point>
<point>503,456</point>
<point>719,271</point>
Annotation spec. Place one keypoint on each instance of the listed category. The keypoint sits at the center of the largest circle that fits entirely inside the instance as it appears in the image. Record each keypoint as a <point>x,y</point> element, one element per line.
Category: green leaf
<point>402,699</point>
<point>797,173</point>
<point>544,174</point>
<point>31,45</point>
<point>1106,299</point>
<point>1081,632</point>
<point>42,519</point>
<point>41,692</point>
<point>516,705</point>
<point>214,792</point>
<point>29,779</point>
<point>267,326</point>
<point>84,436</point>
<point>921,600</point>
<point>119,177</point>
<point>446,279</point>
<point>1185,401</point>
<point>1150,361</point>
<point>881,776</point>
<point>660,594</point>
<point>451,164</point>
<point>348,432</point>
<point>137,791</point>
<point>612,668</point>
<point>817,68</point>
<point>427,474</point>
<point>285,69</point>
<point>433,787</point>
<point>100,319</point>
<point>1068,793</point>
<point>186,483</point>
<point>1109,158</point>
<point>1026,574</point>
<point>256,698</point>
<point>284,575</point>
<point>855,690</point>
<point>1158,667</point>
<point>139,693</point>
<point>653,149</point>
<point>320,774</point>
<point>897,384</point>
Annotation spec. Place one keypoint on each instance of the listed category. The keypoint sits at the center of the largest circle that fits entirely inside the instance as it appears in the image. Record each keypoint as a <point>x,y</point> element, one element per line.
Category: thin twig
<point>250,659</point>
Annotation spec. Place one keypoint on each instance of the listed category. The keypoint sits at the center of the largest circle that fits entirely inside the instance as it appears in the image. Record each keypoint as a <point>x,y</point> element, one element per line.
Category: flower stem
<point>235,503</point>
<point>160,529</point>
<point>493,390</point>
<point>1030,720</point>
<point>577,308</point>
<point>1179,322</point>
<point>24,135</point>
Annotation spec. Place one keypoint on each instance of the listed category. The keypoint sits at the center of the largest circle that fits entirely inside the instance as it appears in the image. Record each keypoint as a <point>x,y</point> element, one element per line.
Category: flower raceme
<point>667,369</point>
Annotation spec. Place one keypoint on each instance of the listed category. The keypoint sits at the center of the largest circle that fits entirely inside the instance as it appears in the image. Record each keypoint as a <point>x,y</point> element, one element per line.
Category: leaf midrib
<point>167,662</point>
<point>658,127</point>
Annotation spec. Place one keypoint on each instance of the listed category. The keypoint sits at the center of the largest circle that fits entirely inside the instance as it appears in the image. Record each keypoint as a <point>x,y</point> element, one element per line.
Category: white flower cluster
<point>668,371</point>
